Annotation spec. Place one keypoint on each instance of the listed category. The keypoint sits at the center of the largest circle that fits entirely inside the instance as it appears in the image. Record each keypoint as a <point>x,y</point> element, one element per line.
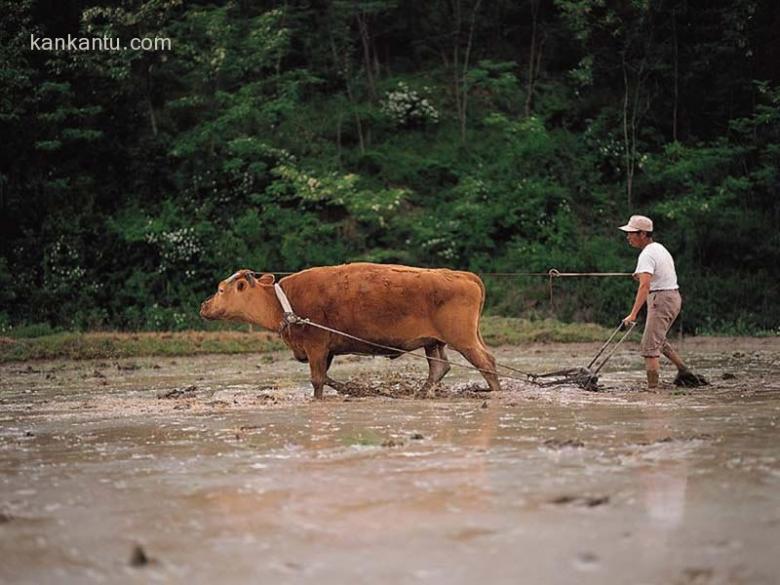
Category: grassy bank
<point>511,331</point>
<point>118,345</point>
<point>495,330</point>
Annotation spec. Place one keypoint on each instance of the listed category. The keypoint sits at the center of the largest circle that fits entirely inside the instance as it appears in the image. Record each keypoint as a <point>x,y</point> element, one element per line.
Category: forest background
<point>488,135</point>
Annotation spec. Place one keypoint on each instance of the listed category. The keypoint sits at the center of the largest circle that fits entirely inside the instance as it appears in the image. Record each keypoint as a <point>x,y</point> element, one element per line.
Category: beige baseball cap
<point>638,223</point>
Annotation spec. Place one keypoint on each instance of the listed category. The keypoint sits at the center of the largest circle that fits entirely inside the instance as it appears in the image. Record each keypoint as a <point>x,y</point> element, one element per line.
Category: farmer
<point>658,287</point>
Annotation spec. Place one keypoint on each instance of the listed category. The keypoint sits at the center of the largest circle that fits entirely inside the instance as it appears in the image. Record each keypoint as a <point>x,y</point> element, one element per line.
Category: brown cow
<point>396,306</point>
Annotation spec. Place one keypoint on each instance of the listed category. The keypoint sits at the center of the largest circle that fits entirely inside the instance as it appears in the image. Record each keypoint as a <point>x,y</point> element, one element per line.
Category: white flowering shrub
<point>5,324</point>
<point>160,318</point>
<point>63,269</point>
<point>611,149</point>
<point>582,74</point>
<point>443,247</point>
<point>178,249</point>
<point>343,190</point>
<point>406,107</point>
<point>205,185</point>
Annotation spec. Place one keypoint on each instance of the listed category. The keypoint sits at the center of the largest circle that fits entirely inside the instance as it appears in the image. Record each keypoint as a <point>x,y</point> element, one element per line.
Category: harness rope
<point>294,319</point>
<point>572,374</point>
<point>551,274</point>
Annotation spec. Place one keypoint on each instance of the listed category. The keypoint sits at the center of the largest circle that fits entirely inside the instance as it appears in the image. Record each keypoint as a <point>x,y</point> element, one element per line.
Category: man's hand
<point>641,297</point>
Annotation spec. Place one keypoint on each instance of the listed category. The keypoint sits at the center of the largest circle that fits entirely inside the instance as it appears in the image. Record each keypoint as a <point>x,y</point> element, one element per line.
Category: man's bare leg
<point>652,366</point>
<point>674,357</point>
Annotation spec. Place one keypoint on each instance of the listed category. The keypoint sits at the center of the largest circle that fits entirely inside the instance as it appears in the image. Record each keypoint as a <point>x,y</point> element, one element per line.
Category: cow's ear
<point>266,279</point>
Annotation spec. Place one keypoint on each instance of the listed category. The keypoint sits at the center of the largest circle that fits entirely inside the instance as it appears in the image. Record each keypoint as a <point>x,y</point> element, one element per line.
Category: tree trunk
<point>627,142</point>
<point>456,66</point>
<point>460,74</point>
<point>283,24</point>
<point>631,116</point>
<point>676,76</point>
<point>152,115</point>
<point>344,68</point>
<point>338,138</point>
<point>533,60</point>
<point>368,65</point>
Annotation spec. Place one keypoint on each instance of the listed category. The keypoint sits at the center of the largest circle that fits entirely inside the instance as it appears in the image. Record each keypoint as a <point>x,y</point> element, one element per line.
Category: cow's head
<point>236,299</point>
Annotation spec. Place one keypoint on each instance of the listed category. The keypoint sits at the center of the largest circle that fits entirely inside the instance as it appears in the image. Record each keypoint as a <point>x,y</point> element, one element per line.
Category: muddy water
<point>221,469</point>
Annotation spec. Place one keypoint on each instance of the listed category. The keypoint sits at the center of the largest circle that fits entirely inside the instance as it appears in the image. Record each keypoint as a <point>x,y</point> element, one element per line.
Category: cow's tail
<point>483,294</point>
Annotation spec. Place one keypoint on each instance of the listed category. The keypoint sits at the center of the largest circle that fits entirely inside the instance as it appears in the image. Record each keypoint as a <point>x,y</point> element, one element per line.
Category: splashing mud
<point>223,469</point>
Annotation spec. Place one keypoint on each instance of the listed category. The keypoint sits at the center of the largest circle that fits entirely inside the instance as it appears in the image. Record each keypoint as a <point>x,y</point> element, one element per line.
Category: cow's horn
<point>233,277</point>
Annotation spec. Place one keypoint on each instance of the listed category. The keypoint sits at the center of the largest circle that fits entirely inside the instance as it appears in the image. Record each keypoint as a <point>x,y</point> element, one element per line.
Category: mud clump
<point>397,385</point>
<point>127,367</point>
<point>683,438</point>
<point>474,390</point>
<point>218,403</point>
<point>392,386</point>
<point>695,576</point>
<point>186,392</point>
<point>389,443</point>
<point>563,443</point>
<point>267,398</point>
<point>139,558</point>
<point>656,441</point>
<point>28,370</point>
<point>515,385</point>
<point>583,501</point>
<point>241,432</point>
<point>687,379</point>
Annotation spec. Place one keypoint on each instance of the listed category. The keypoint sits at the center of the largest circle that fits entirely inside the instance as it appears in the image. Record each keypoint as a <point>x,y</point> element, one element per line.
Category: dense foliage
<point>502,136</point>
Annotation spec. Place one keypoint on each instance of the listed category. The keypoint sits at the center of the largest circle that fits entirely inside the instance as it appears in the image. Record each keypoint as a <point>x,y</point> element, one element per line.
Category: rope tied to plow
<point>551,275</point>
<point>580,376</point>
<point>554,273</point>
<point>290,318</point>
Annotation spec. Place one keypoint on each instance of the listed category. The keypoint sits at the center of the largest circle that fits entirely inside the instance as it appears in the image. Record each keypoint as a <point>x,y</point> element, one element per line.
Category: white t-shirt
<point>656,260</point>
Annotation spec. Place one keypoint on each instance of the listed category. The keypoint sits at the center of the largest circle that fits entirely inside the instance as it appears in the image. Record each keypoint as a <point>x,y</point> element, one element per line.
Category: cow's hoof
<point>426,392</point>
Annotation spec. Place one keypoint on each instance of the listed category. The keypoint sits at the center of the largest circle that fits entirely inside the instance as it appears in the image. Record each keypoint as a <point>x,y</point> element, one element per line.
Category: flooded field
<point>222,469</point>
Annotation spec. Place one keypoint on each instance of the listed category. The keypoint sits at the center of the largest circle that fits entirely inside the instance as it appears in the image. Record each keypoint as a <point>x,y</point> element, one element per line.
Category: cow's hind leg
<point>481,358</point>
<point>335,384</point>
<point>339,387</point>
<point>438,366</point>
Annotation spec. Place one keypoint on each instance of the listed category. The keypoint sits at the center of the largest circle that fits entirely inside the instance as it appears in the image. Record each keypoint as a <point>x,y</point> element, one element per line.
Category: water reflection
<point>536,486</point>
<point>665,478</point>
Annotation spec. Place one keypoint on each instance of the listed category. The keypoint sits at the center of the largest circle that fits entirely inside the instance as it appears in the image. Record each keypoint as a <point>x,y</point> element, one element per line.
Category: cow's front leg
<point>318,368</point>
